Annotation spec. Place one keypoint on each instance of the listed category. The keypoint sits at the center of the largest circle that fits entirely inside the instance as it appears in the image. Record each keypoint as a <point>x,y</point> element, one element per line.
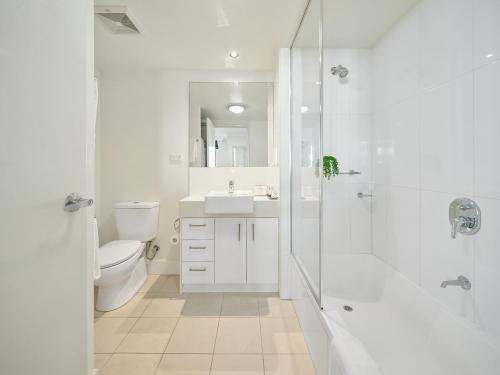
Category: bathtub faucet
<point>461,281</point>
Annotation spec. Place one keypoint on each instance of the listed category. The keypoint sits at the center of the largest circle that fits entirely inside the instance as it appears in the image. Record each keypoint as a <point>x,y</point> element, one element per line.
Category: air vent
<point>117,19</point>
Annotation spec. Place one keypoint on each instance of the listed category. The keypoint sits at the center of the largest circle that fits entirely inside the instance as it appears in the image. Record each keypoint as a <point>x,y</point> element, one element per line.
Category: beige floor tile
<point>185,364</point>
<point>194,335</point>
<point>100,360</point>
<point>158,284</point>
<point>237,364</point>
<point>240,304</point>
<point>109,332</point>
<point>131,364</point>
<point>148,335</point>
<point>202,304</point>
<point>282,335</point>
<point>160,306</point>
<point>276,307</point>
<point>286,364</point>
<point>132,309</point>
<point>238,335</point>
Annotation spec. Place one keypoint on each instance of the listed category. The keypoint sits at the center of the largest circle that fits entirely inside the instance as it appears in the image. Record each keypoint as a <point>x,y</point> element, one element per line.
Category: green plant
<point>330,166</point>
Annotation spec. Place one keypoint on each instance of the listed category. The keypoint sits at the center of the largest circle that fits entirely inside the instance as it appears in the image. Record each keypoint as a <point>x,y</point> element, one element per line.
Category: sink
<point>223,202</point>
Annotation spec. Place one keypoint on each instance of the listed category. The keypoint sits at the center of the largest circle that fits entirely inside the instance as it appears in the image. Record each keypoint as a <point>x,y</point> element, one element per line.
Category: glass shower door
<point>306,147</point>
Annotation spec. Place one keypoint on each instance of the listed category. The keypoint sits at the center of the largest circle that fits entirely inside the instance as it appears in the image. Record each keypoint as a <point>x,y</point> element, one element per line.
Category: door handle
<point>253,232</point>
<point>197,225</point>
<point>74,202</point>
<point>196,269</point>
<point>239,232</point>
<point>197,247</point>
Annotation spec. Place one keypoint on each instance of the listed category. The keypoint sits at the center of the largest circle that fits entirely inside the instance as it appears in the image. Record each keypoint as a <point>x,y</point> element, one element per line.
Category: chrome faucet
<point>461,281</point>
<point>231,186</point>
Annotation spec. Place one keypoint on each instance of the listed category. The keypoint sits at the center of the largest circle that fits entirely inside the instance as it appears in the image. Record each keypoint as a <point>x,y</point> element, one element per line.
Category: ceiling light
<point>304,108</point>
<point>236,108</point>
<point>234,54</point>
<point>236,82</point>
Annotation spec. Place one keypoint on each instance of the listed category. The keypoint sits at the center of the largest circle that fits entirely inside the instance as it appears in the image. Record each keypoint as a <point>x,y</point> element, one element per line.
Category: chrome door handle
<point>203,269</point>
<point>197,225</point>
<point>239,232</point>
<point>362,195</point>
<point>351,172</point>
<point>197,247</point>
<point>74,202</point>
<point>253,232</point>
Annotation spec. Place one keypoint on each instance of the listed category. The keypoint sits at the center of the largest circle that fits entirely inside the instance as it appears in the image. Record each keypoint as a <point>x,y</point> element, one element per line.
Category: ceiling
<point>199,34</point>
<point>214,98</point>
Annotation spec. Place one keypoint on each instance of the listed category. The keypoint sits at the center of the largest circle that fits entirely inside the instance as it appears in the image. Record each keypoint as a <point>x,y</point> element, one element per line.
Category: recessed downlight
<point>236,108</point>
<point>234,54</point>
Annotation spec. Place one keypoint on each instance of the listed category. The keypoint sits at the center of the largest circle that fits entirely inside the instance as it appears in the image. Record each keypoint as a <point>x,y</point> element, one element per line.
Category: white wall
<point>436,131</point>
<point>144,118</point>
<point>347,136</point>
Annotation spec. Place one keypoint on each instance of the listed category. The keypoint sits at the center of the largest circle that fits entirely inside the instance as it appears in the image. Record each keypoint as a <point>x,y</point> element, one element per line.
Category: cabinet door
<point>230,251</point>
<point>262,251</point>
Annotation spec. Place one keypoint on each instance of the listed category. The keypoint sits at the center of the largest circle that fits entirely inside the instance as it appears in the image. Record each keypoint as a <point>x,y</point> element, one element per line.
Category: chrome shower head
<point>340,70</point>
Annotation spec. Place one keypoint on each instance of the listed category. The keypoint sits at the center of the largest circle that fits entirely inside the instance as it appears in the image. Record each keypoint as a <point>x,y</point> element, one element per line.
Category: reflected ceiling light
<point>304,108</point>
<point>236,108</point>
<point>489,55</point>
<point>236,82</point>
<point>234,54</point>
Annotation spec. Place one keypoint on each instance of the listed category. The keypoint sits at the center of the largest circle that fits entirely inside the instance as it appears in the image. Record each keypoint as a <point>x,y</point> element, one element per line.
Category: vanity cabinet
<point>227,252</point>
<point>230,251</point>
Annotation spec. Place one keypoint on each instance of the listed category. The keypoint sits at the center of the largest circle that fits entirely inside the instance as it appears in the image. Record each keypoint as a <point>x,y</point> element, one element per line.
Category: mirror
<point>231,124</point>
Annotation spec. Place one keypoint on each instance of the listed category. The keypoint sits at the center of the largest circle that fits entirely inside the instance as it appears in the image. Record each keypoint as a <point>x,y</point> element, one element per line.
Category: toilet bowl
<point>123,272</point>
<point>122,262</point>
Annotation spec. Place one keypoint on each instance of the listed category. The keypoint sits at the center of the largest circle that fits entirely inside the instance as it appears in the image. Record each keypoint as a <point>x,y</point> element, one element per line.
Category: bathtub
<point>375,321</point>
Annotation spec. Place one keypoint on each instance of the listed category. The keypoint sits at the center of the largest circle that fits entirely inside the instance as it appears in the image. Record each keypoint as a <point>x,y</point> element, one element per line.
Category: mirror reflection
<point>230,124</point>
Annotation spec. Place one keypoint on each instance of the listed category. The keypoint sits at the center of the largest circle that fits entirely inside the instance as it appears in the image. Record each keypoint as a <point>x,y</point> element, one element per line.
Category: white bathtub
<point>395,328</point>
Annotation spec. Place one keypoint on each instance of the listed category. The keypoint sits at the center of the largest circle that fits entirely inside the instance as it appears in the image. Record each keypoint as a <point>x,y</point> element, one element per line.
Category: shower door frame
<point>317,297</point>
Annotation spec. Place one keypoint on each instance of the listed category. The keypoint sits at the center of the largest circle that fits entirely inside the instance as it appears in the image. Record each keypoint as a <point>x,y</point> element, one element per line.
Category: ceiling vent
<point>117,19</point>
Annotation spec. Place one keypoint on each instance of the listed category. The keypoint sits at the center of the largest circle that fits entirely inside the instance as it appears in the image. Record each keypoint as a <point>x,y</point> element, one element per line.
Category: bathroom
<point>267,187</point>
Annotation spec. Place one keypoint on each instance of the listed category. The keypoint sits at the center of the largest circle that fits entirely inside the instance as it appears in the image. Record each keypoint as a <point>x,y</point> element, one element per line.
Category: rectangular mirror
<point>231,124</point>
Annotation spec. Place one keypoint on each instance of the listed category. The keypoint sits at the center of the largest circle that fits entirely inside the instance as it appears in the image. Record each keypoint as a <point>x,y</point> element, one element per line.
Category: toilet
<point>122,263</point>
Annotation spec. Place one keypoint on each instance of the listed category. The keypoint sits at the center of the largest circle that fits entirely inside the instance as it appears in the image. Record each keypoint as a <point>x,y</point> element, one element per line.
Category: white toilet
<point>122,262</point>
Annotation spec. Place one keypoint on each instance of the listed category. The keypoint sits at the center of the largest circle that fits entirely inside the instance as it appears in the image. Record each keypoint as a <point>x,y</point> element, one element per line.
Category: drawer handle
<point>197,225</point>
<point>197,247</point>
<point>201,269</point>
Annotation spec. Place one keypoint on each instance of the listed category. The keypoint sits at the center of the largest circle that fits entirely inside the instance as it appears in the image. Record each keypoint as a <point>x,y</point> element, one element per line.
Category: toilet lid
<point>116,252</point>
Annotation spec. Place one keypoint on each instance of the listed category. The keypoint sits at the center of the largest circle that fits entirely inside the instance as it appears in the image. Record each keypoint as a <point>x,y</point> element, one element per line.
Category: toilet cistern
<point>461,281</point>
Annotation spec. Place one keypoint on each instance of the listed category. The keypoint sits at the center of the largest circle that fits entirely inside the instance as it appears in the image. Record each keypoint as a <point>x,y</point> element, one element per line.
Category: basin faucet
<point>231,186</point>
<point>461,281</point>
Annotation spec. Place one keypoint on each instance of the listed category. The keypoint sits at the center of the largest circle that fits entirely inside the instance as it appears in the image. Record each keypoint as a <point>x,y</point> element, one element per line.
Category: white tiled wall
<point>436,137</point>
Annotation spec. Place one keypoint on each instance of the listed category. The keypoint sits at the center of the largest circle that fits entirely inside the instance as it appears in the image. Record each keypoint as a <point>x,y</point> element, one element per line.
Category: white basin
<point>223,202</point>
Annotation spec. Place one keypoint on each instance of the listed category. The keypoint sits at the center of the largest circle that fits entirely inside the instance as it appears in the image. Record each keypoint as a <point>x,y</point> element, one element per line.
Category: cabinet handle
<point>198,269</point>
<point>197,225</point>
<point>197,247</point>
<point>253,232</point>
<point>239,232</point>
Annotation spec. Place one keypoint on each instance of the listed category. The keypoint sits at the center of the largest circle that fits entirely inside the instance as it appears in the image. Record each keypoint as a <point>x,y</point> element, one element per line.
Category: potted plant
<point>330,166</point>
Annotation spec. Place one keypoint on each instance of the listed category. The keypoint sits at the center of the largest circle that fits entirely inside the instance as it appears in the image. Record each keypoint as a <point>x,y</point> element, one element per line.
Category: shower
<point>340,70</point>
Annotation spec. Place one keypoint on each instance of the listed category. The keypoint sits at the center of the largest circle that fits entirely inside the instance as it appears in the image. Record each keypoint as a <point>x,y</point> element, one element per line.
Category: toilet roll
<point>174,240</point>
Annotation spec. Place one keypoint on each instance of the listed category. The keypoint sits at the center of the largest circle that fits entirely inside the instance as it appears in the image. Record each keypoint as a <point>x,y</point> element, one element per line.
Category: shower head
<point>340,70</point>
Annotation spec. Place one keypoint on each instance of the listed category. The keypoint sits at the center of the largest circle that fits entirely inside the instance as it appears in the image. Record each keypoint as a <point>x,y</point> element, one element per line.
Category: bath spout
<point>461,281</point>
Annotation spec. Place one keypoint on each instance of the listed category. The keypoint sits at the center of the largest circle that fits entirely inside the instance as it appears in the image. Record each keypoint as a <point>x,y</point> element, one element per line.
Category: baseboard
<point>163,267</point>
<point>268,288</point>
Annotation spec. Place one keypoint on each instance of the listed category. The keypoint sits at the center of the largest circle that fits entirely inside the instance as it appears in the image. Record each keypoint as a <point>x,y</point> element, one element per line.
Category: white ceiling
<point>214,98</point>
<point>198,34</point>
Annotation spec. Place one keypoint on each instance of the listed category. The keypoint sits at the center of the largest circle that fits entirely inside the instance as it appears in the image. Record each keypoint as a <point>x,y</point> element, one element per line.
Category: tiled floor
<point>160,332</point>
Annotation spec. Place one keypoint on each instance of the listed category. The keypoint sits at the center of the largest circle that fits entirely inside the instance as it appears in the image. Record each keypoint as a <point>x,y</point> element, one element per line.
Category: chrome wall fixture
<point>339,70</point>
<point>465,217</point>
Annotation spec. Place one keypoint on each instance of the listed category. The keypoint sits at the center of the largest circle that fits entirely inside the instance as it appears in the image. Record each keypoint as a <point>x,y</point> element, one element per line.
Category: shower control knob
<point>465,217</point>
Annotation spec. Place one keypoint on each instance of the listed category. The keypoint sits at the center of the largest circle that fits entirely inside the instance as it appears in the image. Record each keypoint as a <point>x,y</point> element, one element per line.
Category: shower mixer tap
<point>465,217</point>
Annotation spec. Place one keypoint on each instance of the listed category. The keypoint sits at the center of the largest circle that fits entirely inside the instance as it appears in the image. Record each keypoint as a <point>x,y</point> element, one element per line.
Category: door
<point>262,251</point>
<point>46,75</point>
<point>230,251</point>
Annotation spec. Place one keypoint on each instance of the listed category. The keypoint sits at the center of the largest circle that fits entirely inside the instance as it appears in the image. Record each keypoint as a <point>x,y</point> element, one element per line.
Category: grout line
<point>261,343</point>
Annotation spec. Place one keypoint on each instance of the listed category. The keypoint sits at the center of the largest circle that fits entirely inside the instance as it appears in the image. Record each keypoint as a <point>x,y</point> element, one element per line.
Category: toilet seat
<point>117,252</point>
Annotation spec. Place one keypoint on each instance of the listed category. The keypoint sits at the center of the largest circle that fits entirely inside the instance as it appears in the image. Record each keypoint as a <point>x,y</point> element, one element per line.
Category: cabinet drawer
<point>197,229</point>
<point>198,250</point>
<point>197,272</point>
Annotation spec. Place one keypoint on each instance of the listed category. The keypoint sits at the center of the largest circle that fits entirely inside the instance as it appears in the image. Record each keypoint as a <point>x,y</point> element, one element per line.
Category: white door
<point>46,75</point>
<point>230,251</point>
<point>262,251</point>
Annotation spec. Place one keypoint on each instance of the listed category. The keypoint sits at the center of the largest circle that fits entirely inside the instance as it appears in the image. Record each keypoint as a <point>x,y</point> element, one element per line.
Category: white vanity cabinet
<point>230,251</point>
<point>229,254</point>
<point>262,250</point>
